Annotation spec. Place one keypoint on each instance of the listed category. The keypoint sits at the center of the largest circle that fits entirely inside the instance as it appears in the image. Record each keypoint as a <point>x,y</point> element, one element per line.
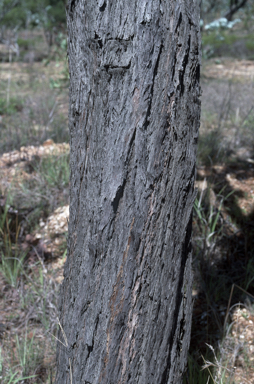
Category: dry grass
<point>34,190</point>
<point>223,231</point>
<point>31,109</point>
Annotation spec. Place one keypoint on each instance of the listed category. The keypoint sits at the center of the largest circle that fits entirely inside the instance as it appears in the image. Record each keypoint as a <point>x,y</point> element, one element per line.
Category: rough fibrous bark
<point>126,298</point>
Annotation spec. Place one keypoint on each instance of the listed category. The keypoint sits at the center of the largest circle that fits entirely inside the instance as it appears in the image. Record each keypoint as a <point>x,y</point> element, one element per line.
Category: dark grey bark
<point>126,299</point>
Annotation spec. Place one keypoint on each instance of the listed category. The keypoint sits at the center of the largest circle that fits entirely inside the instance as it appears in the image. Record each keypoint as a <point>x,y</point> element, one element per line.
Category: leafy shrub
<point>9,108</point>
<point>24,44</point>
<point>227,43</point>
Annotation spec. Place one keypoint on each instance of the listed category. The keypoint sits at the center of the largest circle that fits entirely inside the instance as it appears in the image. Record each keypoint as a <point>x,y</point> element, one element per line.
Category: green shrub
<point>24,44</point>
<point>227,43</point>
<point>217,39</point>
<point>9,108</point>
<point>210,148</point>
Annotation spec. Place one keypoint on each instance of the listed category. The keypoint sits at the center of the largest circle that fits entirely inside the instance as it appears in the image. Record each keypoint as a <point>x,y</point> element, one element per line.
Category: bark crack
<point>118,196</point>
<point>155,71</point>
<point>103,6</point>
<point>72,6</point>
<point>109,66</point>
<point>183,67</point>
<point>120,190</point>
<point>90,347</point>
<point>130,146</point>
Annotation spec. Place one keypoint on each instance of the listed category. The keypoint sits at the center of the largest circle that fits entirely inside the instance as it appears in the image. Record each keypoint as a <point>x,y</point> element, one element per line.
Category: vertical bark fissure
<point>186,251</point>
<point>120,190</point>
<point>155,71</point>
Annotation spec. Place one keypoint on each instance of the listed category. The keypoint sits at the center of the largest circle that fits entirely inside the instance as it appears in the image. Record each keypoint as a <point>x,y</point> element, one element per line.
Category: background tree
<point>211,9</point>
<point>235,5</point>
<point>6,6</point>
<point>46,14</point>
<point>126,299</point>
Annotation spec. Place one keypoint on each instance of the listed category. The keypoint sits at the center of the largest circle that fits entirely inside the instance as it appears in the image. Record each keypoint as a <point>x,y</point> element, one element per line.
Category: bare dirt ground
<point>231,69</point>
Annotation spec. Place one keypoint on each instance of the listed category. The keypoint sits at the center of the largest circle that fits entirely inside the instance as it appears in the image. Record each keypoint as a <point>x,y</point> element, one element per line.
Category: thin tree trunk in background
<point>234,7</point>
<point>126,299</point>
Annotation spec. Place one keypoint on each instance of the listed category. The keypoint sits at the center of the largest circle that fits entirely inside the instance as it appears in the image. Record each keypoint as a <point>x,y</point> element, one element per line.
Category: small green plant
<point>210,149</point>
<point>11,264</point>
<point>26,351</point>
<point>30,352</point>
<point>11,268</point>
<point>219,376</point>
<point>24,44</point>
<point>209,213</point>
<point>53,171</point>
<point>195,374</point>
<point>3,217</point>
<point>13,379</point>
<point>11,106</point>
<point>44,190</point>
<point>8,376</point>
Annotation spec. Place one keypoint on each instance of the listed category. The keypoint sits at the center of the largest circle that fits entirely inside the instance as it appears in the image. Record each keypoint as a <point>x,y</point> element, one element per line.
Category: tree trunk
<point>126,299</point>
<point>234,7</point>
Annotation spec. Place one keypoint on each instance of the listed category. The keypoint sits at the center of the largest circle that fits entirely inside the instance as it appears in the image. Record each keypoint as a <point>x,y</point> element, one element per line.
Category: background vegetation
<point>34,181</point>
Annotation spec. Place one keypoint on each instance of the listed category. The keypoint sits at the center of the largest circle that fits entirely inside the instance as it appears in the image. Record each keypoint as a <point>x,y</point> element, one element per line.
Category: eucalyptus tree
<point>46,14</point>
<point>126,299</point>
